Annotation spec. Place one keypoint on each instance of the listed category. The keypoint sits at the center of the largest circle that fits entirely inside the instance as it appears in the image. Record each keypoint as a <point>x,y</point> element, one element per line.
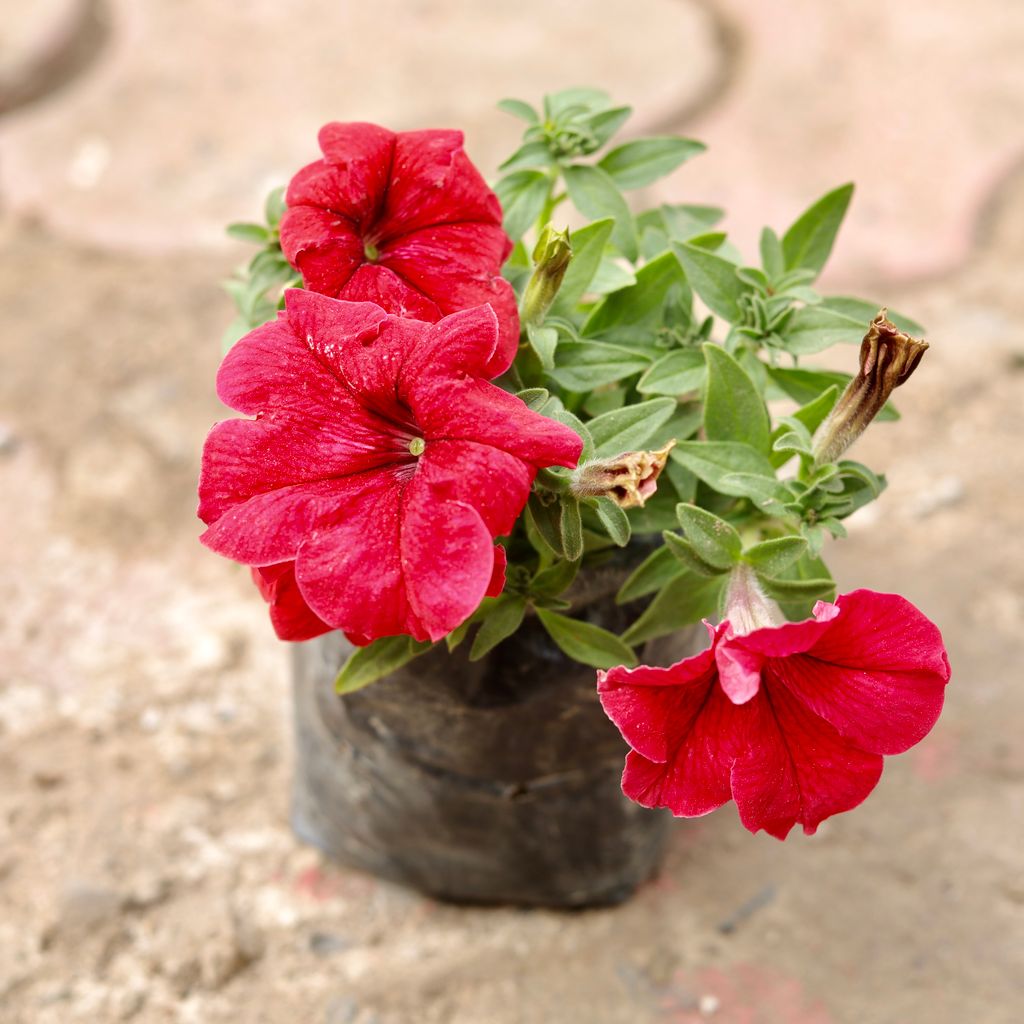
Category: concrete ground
<point>147,872</point>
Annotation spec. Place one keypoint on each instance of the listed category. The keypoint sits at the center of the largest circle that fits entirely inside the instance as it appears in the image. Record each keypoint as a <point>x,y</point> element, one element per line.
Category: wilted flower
<point>629,479</point>
<point>887,359</point>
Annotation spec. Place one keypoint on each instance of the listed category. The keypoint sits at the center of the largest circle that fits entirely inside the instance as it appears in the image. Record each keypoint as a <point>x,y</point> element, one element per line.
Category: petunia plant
<point>463,398</point>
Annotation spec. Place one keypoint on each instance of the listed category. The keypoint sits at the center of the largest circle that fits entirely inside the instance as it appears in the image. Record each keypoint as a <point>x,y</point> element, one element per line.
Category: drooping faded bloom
<point>790,720</point>
<point>380,461</point>
<point>401,219</point>
<point>629,478</point>
<point>888,357</point>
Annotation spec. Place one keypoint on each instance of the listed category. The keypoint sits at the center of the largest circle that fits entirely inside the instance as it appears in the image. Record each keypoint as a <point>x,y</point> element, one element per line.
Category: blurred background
<point>147,872</point>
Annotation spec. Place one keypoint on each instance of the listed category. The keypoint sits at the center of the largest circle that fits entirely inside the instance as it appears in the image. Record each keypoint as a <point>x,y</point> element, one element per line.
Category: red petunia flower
<point>791,721</point>
<point>290,616</point>
<point>380,461</point>
<point>403,220</point>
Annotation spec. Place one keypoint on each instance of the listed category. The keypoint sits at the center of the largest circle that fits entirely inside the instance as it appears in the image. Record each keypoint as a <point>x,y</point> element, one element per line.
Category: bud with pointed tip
<point>887,359</point>
<point>629,479</point>
<point>551,258</point>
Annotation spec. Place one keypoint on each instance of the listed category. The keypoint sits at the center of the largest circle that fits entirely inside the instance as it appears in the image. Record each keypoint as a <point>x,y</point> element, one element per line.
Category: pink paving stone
<point>199,108</point>
<point>920,102</point>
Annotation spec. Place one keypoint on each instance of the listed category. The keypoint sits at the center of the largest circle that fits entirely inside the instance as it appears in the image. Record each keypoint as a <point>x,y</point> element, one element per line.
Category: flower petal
<point>325,248</point>
<point>497,584</point>
<point>432,181</point>
<point>878,675</point>
<point>352,179</point>
<point>473,409</point>
<point>290,616</point>
<point>882,631</point>
<point>790,637</point>
<point>350,572</point>
<point>655,707</point>
<point>694,780</point>
<point>448,557</point>
<point>269,527</point>
<point>684,731</point>
<point>796,768</point>
<point>460,344</point>
<point>375,283</point>
<point>457,265</point>
<point>491,481</point>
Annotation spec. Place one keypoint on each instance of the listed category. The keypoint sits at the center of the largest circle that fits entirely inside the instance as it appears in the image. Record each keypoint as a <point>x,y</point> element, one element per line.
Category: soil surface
<point>147,871</point>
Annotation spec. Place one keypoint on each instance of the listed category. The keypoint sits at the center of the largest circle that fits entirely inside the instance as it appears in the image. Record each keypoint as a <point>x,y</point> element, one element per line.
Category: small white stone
<point>709,1005</point>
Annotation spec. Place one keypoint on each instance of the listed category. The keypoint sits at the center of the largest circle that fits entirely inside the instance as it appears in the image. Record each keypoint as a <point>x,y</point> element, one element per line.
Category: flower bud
<point>551,258</point>
<point>628,479</point>
<point>887,359</point>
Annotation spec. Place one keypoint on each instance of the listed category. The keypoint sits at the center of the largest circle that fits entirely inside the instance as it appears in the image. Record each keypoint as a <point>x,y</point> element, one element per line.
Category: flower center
<point>417,446</point>
<point>370,251</point>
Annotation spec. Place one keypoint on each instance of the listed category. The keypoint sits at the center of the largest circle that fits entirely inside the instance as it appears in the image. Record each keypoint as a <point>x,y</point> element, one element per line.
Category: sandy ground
<point>147,872</point>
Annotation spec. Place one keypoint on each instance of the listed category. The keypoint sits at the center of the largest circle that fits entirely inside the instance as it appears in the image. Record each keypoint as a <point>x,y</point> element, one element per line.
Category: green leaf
<point>571,529</point>
<point>520,109</point>
<point>614,520</point>
<point>545,521</point>
<point>790,590</point>
<point>643,302</point>
<point>657,514</point>
<point>687,599</point>
<point>586,643</point>
<point>457,635</point>
<point>594,194</point>
<point>587,250</point>
<point>771,557</point>
<point>864,312</point>
<point>366,665</point>
<point>683,221</point>
<point>627,429</point>
<point>657,569</point>
<point>544,341</point>
<point>585,365</point>
<point>809,241</point>
<point>522,195</point>
<point>256,233</point>
<point>733,409</point>
<point>535,398</point>
<point>687,555</point>
<point>605,124</point>
<point>679,371</point>
<point>770,496</point>
<point>274,206</point>
<point>556,410</point>
<point>639,163</point>
<point>713,278</point>
<point>531,154</point>
<point>613,273</point>
<point>503,619</point>
<point>813,414</point>
<point>550,582</point>
<point>557,104</point>
<point>772,259</point>
<point>715,461</point>
<point>715,540</point>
